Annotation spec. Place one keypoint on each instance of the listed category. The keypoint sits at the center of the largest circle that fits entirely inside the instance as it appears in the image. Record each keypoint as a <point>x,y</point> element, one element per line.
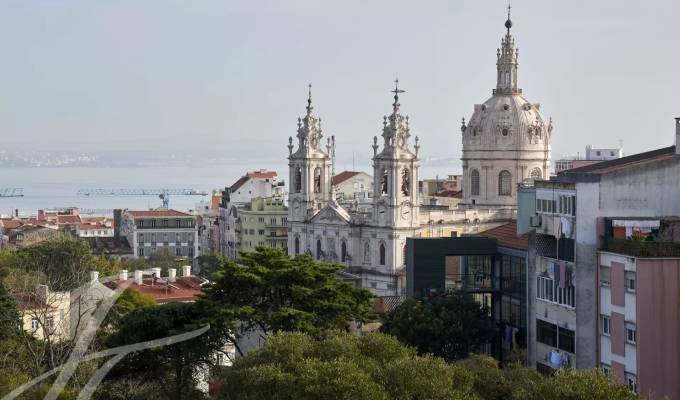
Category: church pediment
<point>331,215</point>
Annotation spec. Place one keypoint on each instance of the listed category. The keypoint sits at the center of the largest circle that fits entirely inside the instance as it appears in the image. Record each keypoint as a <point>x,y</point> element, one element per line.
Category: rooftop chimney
<point>94,276</point>
<point>156,274</point>
<point>186,270</point>
<point>677,136</point>
<point>172,274</point>
<point>139,277</point>
<point>123,275</point>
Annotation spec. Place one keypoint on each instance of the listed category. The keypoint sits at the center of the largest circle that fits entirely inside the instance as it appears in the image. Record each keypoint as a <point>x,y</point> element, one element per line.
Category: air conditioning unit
<point>535,221</point>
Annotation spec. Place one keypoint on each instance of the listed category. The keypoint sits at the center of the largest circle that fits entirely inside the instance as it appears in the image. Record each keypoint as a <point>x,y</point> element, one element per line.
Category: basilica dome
<point>506,141</point>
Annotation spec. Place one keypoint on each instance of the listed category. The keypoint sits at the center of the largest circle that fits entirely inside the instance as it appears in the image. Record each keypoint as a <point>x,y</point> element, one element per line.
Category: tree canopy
<point>339,365</point>
<point>268,291</point>
<point>449,327</point>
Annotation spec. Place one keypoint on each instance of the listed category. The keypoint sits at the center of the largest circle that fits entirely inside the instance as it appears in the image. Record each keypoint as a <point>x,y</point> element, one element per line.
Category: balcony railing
<point>638,248</point>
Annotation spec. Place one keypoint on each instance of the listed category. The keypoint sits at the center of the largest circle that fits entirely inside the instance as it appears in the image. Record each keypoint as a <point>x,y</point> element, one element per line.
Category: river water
<point>57,187</point>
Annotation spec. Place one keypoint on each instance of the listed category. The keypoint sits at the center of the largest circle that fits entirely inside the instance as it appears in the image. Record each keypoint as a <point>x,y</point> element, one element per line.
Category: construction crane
<point>11,192</point>
<point>163,194</point>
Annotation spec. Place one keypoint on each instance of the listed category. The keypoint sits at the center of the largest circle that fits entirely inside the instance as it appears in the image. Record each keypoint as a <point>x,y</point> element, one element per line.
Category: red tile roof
<point>11,223</point>
<point>158,213</point>
<point>262,174</point>
<point>27,301</point>
<point>184,289</point>
<point>507,236</point>
<point>343,176</point>
<point>240,182</point>
<point>456,194</point>
<point>68,219</point>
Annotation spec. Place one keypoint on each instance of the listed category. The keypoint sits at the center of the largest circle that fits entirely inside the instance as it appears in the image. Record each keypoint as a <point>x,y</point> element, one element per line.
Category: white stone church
<point>505,142</point>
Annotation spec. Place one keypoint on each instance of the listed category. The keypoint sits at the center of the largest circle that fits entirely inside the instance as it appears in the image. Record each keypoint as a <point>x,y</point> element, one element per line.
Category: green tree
<point>170,370</point>
<point>268,291</point>
<point>339,365</point>
<point>10,324</point>
<point>449,327</point>
<point>208,264</point>
<point>572,384</point>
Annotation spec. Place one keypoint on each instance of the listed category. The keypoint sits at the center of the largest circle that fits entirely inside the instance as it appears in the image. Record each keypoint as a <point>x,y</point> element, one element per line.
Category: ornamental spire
<point>506,63</point>
<point>309,130</point>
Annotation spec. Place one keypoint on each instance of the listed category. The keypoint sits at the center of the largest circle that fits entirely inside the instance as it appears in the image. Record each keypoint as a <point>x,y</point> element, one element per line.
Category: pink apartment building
<point>639,312</point>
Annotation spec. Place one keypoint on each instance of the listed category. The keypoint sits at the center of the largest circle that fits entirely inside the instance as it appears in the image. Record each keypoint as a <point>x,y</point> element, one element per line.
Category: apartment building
<point>253,184</point>
<point>150,231</point>
<point>566,219</point>
<point>263,222</point>
<point>639,320</point>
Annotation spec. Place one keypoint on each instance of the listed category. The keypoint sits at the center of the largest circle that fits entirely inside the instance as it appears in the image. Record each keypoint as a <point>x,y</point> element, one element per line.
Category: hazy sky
<point>231,76</point>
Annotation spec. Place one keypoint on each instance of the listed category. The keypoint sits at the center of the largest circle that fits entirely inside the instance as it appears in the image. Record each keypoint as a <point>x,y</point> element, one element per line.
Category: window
<point>539,204</point>
<point>317,180</point>
<point>165,223</point>
<point>405,182</point>
<point>178,238</point>
<point>260,220</point>
<point>153,238</point>
<point>606,368</point>
<point>190,252</point>
<point>504,182</point>
<point>297,245</point>
<point>605,325</point>
<point>49,323</point>
<point>260,231</point>
<point>631,333</point>
<point>382,254</point>
<point>631,381</point>
<point>605,275</point>
<point>318,249</point>
<point>153,223</point>
<point>141,238</point>
<point>343,251</point>
<point>565,339</point>
<point>630,281</point>
<point>140,252</point>
<point>549,290</point>
<point>178,251</point>
<point>165,237</point>
<point>611,153</point>
<point>546,333</point>
<point>298,180</point>
<point>598,153</point>
<point>474,183</point>
<point>34,324</point>
<point>272,221</point>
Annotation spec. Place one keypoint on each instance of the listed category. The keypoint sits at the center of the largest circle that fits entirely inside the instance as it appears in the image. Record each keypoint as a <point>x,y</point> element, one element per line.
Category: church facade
<point>505,142</point>
<point>370,241</point>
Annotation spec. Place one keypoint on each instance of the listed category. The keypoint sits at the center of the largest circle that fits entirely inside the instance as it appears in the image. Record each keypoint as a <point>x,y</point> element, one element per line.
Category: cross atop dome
<point>396,92</point>
<point>506,63</point>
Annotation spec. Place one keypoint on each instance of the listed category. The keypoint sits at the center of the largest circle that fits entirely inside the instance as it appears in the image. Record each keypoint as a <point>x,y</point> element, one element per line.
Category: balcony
<point>642,248</point>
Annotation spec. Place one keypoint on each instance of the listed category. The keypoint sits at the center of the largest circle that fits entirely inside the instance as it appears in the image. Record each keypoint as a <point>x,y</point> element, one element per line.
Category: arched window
<point>504,183</point>
<point>536,173</point>
<point>298,179</point>
<point>317,180</point>
<point>383,182</point>
<point>404,250</point>
<point>367,253</point>
<point>318,249</point>
<point>343,251</point>
<point>405,181</point>
<point>474,182</point>
<point>382,253</point>
<point>297,245</point>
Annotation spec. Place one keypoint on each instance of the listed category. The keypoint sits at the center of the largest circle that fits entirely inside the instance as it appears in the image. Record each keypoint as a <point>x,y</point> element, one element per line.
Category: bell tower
<point>309,167</point>
<point>396,171</point>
